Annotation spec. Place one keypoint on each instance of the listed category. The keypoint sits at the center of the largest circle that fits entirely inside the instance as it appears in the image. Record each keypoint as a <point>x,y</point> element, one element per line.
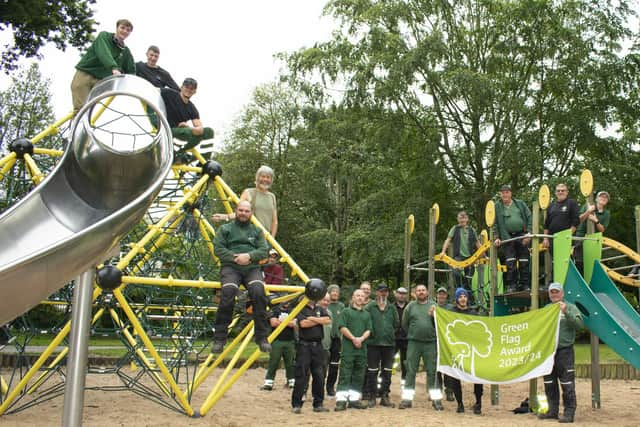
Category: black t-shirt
<point>401,334</point>
<point>562,215</point>
<point>177,110</point>
<point>287,333</point>
<point>314,333</point>
<point>159,77</point>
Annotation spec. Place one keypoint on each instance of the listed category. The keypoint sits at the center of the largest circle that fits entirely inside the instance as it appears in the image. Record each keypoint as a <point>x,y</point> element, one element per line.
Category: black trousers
<point>517,261</point>
<point>334,364</point>
<point>456,387</point>
<point>462,278</point>
<point>309,360</point>
<point>401,346</point>
<point>252,279</point>
<point>378,356</point>
<point>563,372</point>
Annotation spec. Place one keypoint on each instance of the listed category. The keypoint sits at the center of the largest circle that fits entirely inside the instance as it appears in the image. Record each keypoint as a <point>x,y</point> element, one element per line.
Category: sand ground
<point>245,405</point>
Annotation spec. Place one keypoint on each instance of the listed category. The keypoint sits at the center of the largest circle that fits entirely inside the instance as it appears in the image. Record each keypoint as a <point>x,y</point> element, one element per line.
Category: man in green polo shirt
<point>418,321</point>
<point>380,346</point>
<point>355,325</point>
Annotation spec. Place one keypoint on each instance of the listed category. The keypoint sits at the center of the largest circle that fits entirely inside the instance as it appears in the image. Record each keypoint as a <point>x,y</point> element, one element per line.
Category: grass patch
<point>583,354</point>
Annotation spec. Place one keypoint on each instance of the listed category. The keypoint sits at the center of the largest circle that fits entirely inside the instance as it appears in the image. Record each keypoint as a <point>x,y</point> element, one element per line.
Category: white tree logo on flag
<point>465,351</point>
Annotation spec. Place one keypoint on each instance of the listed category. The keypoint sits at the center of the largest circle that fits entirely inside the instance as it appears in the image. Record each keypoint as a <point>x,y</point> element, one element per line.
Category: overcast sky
<point>228,46</point>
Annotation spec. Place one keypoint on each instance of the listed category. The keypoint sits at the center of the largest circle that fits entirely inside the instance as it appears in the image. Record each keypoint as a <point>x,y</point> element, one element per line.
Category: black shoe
<point>320,409</point>
<point>341,406</point>
<point>437,405</point>
<point>357,404</point>
<point>548,416</point>
<point>565,419</point>
<point>297,410</point>
<point>265,347</point>
<point>450,397</point>
<point>405,404</point>
<point>371,403</point>
<point>460,409</point>
<point>477,409</point>
<point>331,392</point>
<point>386,402</point>
<point>217,347</point>
<point>266,387</point>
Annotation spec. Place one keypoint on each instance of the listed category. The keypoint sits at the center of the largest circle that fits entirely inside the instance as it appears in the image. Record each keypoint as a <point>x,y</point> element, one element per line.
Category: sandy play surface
<point>245,405</point>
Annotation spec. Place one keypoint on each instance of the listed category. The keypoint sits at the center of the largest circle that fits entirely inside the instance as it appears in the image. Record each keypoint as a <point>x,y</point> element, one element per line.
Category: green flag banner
<point>497,350</point>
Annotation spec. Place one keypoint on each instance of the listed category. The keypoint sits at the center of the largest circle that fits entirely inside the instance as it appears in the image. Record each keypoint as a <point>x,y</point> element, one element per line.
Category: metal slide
<point>606,312</point>
<point>110,173</point>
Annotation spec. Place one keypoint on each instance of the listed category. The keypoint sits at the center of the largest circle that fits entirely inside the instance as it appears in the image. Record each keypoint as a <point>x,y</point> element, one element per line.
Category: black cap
<point>382,287</point>
<point>190,81</point>
<point>505,187</point>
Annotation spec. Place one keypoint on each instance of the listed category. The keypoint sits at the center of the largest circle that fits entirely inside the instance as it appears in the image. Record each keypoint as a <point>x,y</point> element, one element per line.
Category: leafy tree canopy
<point>37,22</point>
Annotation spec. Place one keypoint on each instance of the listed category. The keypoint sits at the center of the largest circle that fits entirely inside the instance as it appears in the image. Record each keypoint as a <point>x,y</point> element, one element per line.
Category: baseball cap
<point>402,290</point>
<point>382,287</point>
<point>273,252</point>
<point>190,81</point>
<point>602,193</point>
<point>555,286</point>
<point>505,187</point>
<point>442,289</point>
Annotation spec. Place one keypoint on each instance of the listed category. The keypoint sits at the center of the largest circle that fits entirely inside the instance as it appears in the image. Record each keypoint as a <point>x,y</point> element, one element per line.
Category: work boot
<point>405,404</point>
<point>548,416</point>
<point>566,419</point>
<point>357,404</point>
<point>341,406</point>
<point>477,408</point>
<point>265,347</point>
<point>290,383</point>
<point>371,403</point>
<point>296,410</point>
<point>460,409</point>
<point>320,409</point>
<point>266,387</point>
<point>386,402</point>
<point>437,405</point>
<point>449,394</point>
<point>217,346</point>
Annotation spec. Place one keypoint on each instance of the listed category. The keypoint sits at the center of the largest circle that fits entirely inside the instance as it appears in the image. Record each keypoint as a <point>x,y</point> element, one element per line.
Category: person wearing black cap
<point>401,335</point>
<point>513,219</point>
<point>564,360</point>
<point>462,306</point>
<point>183,116</point>
<point>380,347</point>
<point>465,242</point>
<point>599,216</point>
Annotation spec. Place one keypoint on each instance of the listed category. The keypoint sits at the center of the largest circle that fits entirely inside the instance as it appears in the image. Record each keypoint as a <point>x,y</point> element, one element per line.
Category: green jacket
<point>357,322</point>
<point>335,308</point>
<point>417,322</point>
<point>569,324</point>
<point>239,237</point>
<point>500,229</point>
<point>384,324</point>
<point>104,55</point>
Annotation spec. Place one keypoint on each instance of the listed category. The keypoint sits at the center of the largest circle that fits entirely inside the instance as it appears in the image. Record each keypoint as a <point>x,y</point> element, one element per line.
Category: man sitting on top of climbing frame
<point>181,111</point>
<point>241,248</point>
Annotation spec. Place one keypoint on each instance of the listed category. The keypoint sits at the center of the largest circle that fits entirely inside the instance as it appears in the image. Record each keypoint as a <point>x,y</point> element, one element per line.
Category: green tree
<point>517,90</point>
<point>25,106</point>
<point>37,22</point>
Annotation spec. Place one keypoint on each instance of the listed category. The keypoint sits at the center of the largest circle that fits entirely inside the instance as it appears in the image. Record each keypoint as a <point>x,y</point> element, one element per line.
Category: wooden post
<point>408,230</point>
<point>433,220</point>
<point>535,294</point>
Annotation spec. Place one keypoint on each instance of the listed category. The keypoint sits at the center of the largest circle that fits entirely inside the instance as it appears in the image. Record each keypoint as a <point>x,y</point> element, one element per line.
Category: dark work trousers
<point>578,257</point>
<point>401,346</point>
<point>563,372</point>
<point>309,359</point>
<point>378,356</point>
<point>334,364</point>
<point>444,379</point>
<point>462,278</point>
<point>517,261</point>
<point>230,279</point>
<point>456,387</point>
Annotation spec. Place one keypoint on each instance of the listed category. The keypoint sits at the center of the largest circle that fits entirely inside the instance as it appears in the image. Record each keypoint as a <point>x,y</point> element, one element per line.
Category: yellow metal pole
<point>59,358</point>
<point>8,165</point>
<point>8,158</point>
<point>154,353</point>
<point>36,175</point>
<point>101,109</point>
<point>204,231</point>
<point>53,129</point>
<point>48,151</point>
<point>3,386</point>
<point>232,362</point>
<point>158,244</point>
